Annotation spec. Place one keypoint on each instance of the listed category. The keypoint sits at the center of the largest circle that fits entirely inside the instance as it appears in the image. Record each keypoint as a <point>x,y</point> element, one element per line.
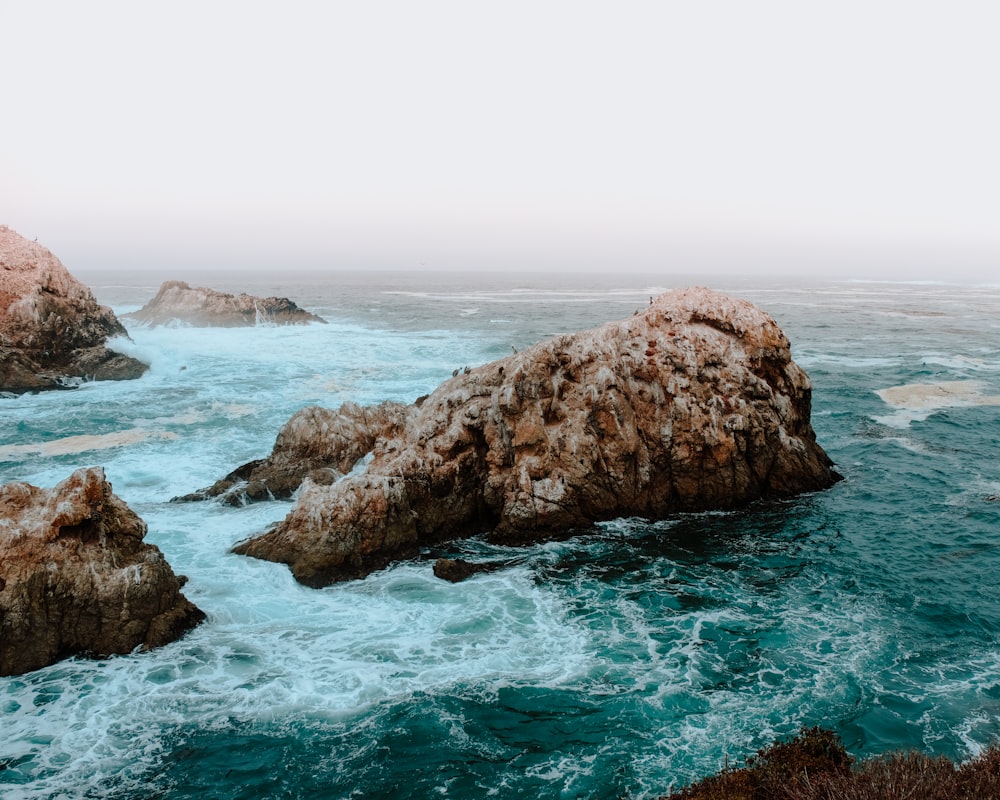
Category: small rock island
<point>77,579</point>
<point>52,330</point>
<point>177,303</point>
<point>692,404</point>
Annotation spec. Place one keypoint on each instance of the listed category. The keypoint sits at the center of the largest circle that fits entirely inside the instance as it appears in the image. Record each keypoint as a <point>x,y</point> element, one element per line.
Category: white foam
<point>82,443</point>
<point>284,651</point>
<point>944,394</point>
<point>960,362</point>
<point>813,358</point>
<point>917,401</point>
<point>533,295</point>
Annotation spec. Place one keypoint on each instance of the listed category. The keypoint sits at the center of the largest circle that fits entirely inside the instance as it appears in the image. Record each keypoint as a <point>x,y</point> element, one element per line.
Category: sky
<point>849,139</point>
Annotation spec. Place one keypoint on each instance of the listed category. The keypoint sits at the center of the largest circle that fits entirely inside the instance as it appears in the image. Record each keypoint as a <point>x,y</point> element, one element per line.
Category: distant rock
<point>178,303</point>
<point>77,579</point>
<point>52,330</point>
<point>693,404</point>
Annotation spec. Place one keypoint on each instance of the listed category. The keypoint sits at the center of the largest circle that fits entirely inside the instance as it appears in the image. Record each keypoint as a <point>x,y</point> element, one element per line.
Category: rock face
<point>693,404</point>
<point>76,577</point>
<point>178,303</point>
<point>317,443</point>
<point>51,327</point>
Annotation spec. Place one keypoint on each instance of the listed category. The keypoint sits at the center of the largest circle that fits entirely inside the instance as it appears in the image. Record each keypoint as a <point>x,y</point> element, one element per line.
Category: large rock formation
<point>76,577</point>
<point>51,327</point>
<point>178,303</point>
<point>693,404</point>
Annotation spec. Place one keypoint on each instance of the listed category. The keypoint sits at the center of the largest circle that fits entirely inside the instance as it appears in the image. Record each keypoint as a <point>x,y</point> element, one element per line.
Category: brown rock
<point>77,579</point>
<point>693,404</point>
<point>456,570</point>
<point>317,443</point>
<point>51,327</point>
<point>177,302</point>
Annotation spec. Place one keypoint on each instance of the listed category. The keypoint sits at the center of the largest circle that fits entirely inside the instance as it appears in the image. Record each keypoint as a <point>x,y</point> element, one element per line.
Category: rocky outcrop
<point>76,577</point>
<point>317,443</point>
<point>52,330</point>
<point>692,404</point>
<point>177,303</point>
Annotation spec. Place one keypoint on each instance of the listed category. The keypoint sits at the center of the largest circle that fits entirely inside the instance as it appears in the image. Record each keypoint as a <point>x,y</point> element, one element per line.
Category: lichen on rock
<point>76,577</point>
<point>693,404</point>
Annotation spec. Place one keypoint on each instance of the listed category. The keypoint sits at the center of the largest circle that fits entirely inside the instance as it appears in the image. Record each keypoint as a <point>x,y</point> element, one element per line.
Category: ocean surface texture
<point>622,662</point>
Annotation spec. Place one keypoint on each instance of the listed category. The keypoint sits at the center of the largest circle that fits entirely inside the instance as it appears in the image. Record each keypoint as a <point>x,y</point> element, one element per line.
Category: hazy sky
<point>855,138</point>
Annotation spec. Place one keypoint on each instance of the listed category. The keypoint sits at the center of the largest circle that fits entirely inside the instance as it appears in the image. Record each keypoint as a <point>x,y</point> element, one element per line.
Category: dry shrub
<point>900,776</point>
<point>815,766</point>
<point>776,771</point>
<point>980,777</point>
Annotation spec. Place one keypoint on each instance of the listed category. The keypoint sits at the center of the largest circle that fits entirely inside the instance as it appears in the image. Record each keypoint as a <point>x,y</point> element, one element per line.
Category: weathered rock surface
<point>317,443</point>
<point>51,327</point>
<point>76,577</point>
<point>178,303</point>
<point>693,404</point>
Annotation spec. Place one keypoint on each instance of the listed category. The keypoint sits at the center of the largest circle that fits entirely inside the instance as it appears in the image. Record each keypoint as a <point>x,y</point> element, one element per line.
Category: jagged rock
<point>178,303</point>
<point>693,404</point>
<point>317,443</point>
<point>52,330</point>
<point>76,577</point>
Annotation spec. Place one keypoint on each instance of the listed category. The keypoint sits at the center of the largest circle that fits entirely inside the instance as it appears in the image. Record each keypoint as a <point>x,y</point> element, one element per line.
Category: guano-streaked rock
<point>693,404</point>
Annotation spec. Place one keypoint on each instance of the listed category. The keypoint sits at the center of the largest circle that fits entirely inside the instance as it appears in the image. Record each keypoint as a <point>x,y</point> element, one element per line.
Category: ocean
<point>620,663</point>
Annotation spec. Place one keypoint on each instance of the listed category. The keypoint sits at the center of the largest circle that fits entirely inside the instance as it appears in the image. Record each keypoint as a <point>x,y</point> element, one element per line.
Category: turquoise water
<point>618,663</point>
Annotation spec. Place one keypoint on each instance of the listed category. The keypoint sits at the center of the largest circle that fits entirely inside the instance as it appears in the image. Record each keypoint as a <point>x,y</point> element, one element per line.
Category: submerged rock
<point>456,570</point>
<point>693,404</point>
<point>76,577</point>
<point>178,303</point>
<point>52,330</point>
